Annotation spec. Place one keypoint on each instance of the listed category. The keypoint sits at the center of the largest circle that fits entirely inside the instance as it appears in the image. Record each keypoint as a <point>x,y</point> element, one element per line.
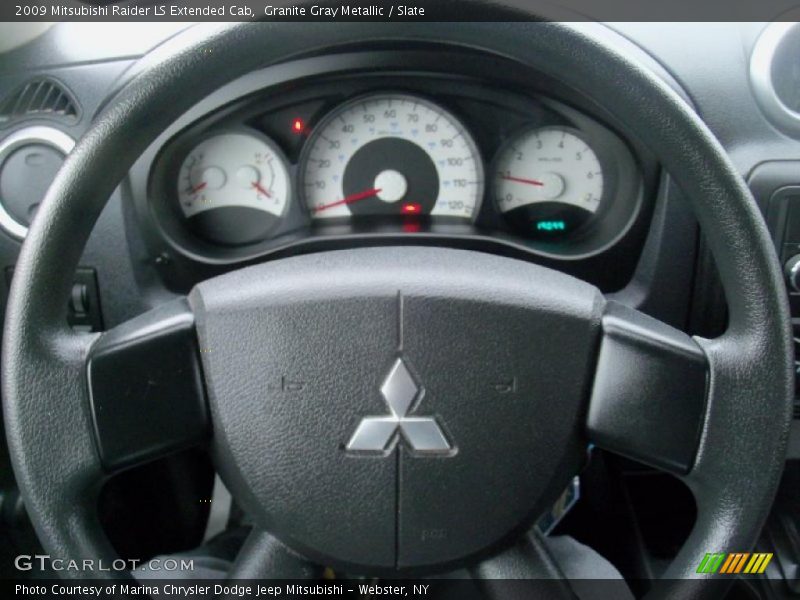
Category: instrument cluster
<point>400,158</point>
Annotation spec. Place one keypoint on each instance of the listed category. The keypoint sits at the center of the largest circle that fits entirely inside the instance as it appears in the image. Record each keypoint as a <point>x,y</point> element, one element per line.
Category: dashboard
<point>377,154</point>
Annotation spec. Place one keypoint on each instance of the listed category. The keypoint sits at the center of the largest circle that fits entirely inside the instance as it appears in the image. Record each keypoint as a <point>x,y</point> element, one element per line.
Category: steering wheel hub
<point>396,407</point>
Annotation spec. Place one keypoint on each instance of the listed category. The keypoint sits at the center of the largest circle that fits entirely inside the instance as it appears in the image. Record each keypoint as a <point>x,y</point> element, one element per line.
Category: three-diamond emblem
<point>423,435</point>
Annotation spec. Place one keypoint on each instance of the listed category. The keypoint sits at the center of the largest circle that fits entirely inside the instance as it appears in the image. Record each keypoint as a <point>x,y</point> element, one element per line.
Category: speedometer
<point>391,154</point>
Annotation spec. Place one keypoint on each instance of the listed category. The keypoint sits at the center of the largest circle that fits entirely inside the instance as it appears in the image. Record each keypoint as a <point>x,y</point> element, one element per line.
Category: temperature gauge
<point>233,188</point>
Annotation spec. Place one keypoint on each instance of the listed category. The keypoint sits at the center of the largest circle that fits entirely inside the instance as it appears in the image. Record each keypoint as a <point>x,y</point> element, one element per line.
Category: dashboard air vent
<point>38,98</point>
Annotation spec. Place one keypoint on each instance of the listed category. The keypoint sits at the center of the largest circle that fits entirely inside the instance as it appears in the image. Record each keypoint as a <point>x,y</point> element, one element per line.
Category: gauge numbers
<point>548,182</point>
<point>233,169</point>
<point>233,188</point>
<point>392,154</point>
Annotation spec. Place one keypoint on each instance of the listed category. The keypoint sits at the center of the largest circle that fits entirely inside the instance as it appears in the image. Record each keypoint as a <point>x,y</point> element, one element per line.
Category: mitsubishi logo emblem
<point>423,435</point>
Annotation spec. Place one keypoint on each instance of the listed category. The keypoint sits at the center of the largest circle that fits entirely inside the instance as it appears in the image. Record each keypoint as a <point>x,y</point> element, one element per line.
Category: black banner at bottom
<point>349,589</point>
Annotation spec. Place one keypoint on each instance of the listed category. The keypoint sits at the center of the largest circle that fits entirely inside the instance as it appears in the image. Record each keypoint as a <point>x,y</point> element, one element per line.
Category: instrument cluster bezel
<point>310,88</point>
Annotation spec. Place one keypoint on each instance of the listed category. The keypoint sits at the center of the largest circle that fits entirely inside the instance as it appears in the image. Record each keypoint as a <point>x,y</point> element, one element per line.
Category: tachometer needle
<point>521,180</point>
<point>260,189</point>
<point>350,199</point>
<point>198,188</point>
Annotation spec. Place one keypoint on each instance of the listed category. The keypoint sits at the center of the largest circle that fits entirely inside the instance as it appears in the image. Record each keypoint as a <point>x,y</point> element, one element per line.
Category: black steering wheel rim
<point>742,445</point>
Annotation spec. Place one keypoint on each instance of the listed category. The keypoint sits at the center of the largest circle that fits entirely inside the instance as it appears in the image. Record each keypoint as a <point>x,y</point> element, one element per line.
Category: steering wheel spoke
<point>146,387</point>
<point>263,556</point>
<point>648,399</point>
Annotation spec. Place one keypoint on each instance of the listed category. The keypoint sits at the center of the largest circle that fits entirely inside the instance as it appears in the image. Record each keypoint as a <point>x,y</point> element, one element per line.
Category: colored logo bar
<point>735,563</point>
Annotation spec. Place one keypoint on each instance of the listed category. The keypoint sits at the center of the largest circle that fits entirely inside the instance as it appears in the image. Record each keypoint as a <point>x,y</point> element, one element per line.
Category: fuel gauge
<point>233,188</point>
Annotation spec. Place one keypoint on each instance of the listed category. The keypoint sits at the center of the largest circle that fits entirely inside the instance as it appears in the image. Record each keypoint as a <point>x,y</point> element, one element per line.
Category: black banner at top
<point>400,10</point>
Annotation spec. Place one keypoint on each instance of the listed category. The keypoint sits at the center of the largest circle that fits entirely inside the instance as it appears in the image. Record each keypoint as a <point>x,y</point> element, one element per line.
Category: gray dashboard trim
<point>761,76</point>
<point>48,136</point>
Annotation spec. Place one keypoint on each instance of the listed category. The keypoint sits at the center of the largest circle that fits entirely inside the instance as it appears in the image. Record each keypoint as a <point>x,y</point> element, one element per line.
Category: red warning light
<point>298,126</point>
<point>411,209</point>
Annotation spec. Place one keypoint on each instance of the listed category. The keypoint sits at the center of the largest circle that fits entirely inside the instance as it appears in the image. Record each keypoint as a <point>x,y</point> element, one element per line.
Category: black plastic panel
<point>776,186</point>
<point>649,393</point>
<point>146,387</point>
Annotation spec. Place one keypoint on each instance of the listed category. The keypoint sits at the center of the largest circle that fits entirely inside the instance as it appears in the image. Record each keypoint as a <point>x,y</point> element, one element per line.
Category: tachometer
<point>233,188</point>
<point>548,182</point>
<point>391,154</point>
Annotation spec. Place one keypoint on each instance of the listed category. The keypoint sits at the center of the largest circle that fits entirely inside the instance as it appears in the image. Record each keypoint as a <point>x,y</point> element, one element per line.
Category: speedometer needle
<point>260,189</point>
<point>350,199</point>
<point>520,179</point>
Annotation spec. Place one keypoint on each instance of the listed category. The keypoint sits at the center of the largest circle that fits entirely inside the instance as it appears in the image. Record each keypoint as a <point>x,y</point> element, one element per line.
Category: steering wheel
<point>364,405</point>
